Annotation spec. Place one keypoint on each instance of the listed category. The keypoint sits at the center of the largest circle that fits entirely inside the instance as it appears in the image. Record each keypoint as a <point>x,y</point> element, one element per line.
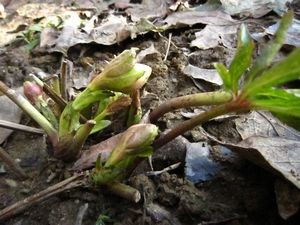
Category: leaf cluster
<point>262,87</point>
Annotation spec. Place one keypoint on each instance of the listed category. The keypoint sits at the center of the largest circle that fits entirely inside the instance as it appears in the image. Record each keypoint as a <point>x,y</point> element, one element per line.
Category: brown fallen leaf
<point>279,155</point>
<point>209,75</point>
<point>287,198</point>
<point>215,17</point>
<point>88,158</point>
<point>149,9</point>
<point>211,36</point>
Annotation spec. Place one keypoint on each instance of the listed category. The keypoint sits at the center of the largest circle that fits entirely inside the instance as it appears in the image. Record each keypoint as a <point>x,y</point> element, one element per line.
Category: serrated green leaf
<point>282,72</point>
<point>224,74</point>
<point>242,58</point>
<point>265,59</point>
<point>277,101</point>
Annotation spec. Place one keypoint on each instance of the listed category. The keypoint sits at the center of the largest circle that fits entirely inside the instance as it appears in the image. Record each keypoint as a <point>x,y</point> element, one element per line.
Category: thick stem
<point>31,111</point>
<point>191,123</point>
<point>125,191</point>
<point>207,98</point>
<point>18,171</point>
<point>81,135</point>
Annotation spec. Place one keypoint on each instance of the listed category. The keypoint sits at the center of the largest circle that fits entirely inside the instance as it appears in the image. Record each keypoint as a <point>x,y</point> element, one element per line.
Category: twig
<point>15,168</point>
<point>66,73</point>
<point>169,168</point>
<point>63,79</point>
<point>81,213</point>
<point>50,92</point>
<point>20,127</point>
<point>237,217</point>
<point>78,180</point>
<point>168,47</point>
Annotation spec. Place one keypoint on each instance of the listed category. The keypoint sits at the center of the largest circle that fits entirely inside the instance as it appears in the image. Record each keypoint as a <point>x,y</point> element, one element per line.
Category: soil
<point>239,194</point>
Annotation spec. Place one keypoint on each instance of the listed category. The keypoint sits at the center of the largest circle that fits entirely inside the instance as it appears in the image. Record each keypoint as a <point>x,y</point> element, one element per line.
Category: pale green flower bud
<point>135,139</point>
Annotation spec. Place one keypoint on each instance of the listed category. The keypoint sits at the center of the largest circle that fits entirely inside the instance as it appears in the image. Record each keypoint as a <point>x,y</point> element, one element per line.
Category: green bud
<point>117,67</point>
<point>126,82</point>
<point>136,138</point>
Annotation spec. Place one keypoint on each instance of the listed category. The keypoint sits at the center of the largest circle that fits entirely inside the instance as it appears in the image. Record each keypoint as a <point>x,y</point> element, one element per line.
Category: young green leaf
<point>282,72</point>
<point>87,97</point>
<point>269,52</point>
<point>242,58</point>
<point>277,101</point>
<point>225,75</point>
<point>100,125</point>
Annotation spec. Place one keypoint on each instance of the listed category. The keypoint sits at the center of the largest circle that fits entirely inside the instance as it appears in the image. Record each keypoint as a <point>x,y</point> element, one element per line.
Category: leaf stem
<point>207,98</point>
<point>181,128</point>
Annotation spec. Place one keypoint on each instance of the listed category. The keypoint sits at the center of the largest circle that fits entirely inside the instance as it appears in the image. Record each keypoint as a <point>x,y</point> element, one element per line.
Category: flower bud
<point>32,91</point>
<point>135,139</point>
<point>118,66</point>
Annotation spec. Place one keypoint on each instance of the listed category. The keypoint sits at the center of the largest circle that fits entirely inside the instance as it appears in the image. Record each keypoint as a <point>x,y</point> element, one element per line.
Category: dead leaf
<point>89,157</point>
<point>263,124</point>
<point>48,37</point>
<point>209,75</point>
<point>39,10</point>
<point>280,155</point>
<point>215,17</point>
<point>148,51</point>
<point>211,36</point>
<point>287,198</point>
<point>253,8</point>
<point>149,9</point>
<point>10,112</point>
<point>112,30</point>
<point>2,12</point>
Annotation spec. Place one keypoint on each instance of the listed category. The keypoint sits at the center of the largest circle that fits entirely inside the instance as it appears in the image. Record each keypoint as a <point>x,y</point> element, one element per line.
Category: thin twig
<point>226,220</point>
<point>168,46</point>
<point>50,92</point>
<point>10,162</point>
<point>20,127</point>
<point>81,213</point>
<point>65,78</point>
<point>78,180</point>
<point>169,168</point>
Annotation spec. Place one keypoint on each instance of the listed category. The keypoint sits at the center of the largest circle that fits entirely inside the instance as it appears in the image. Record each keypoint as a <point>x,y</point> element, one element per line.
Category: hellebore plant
<point>261,88</point>
<point>109,91</point>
